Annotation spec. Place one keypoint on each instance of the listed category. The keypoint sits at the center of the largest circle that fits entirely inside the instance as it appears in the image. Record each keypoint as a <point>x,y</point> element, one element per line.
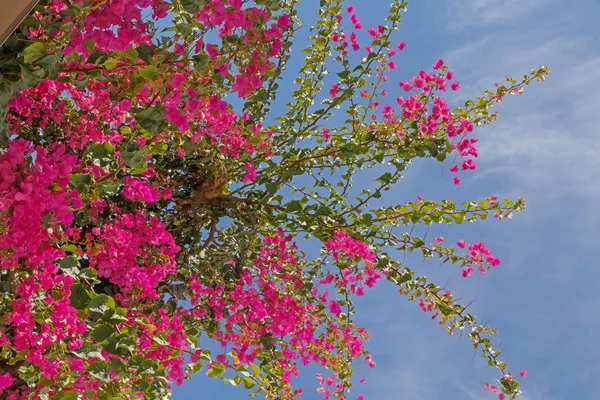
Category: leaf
<point>102,332</point>
<point>145,52</point>
<point>100,370</point>
<point>97,57</point>
<point>51,64</point>
<point>111,64</point>
<point>70,266</point>
<point>88,273</point>
<point>149,73</point>
<point>195,367</point>
<point>80,84</point>
<point>81,181</point>
<point>157,148</point>
<point>116,315</point>
<point>28,77</point>
<point>134,159</point>
<point>193,6</point>
<point>80,297</point>
<point>5,133</point>
<point>201,60</point>
<point>120,344</point>
<point>70,395</point>
<point>268,342</point>
<point>100,154</point>
<point>101,303</point>
<point>385,178</point>
<point>110,189</point>
<point>293,206</point>
<point>34,52</point>
<point>215,371</point>
<point>248,383</point>
<point>152,119</point>
<point>445,308</point>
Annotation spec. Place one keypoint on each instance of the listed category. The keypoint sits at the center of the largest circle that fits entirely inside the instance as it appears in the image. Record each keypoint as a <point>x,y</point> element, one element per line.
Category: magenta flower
<point>250,173</point>
<point>523,373</point>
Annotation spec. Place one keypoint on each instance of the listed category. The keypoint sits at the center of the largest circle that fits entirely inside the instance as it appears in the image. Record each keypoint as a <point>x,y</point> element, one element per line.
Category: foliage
<point>144,210</point>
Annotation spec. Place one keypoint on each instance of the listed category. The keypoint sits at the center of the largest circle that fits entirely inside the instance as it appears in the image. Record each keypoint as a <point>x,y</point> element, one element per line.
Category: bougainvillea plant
<point>152,202</point>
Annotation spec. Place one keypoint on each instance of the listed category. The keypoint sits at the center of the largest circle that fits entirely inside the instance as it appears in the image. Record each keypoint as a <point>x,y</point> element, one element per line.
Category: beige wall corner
<point>12,13</point>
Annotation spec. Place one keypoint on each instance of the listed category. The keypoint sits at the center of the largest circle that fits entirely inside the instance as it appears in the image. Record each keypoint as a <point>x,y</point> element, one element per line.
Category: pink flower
<point>6,381</point>
<point>455,86</point>
<point>456,180</point>
<point>418,82</point>
<point>250,173</point>
<point>491,388</point>
<point>461,243</point>
<point>523,373</point>
<point>350,9</point>
<point>406,86</point>
<point>454,169</point>
<point>335,308</point>
<point>439,64</point>
<point>401,46</point>
<point>439,239</point>
<point>333,92</point>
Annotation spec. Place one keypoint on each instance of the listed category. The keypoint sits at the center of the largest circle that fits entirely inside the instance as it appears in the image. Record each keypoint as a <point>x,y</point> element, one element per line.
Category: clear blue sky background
<point>545,146</point>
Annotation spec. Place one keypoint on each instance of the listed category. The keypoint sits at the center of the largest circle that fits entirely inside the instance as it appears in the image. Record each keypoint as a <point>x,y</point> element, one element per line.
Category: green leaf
<point>101,154</point>
<point>149,73</point>
<point>111,64</point>
<point>51,64</point>
<point>102,303</point>
<point>405,278</point>
<point>445,308</point>
<point>102,332</point>
<point>120,344</point>
<point>29,78</point>
<point>385,178</point>
<point>34,52</point>
<point>152,119</point>
<point>70,266</point>
<point>100,370</point>
<point>110,189</point>
<point>134,159</point>
<point>116,315</point>
<point>5,133</point>
<point>201,60</point>
<point>80,84</point>
<point>216,371</point>
<point>82,181</point>
<point>293,206</point>
<point>88,273</point>
<point>80,297</point>
<point>268,342</point>
<point>248,383</point>
<point>196,367</point>
<point>157,148</point>
<point>70,395</point>
<point>97,57</point>
<point>193,6</point>
<point>145,52</point>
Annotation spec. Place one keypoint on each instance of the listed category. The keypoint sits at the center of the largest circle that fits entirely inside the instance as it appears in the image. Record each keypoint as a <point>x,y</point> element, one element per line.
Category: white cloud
<point>468,13</point>
<point>551,138</point>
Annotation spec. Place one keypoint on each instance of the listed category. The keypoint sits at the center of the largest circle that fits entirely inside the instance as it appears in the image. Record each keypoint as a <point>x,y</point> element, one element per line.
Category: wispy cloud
<point>551,138</point>
<point>468,13</point>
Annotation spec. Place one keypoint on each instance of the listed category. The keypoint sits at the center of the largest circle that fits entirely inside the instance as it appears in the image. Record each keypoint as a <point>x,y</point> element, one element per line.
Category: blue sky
<point>545,147</point>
